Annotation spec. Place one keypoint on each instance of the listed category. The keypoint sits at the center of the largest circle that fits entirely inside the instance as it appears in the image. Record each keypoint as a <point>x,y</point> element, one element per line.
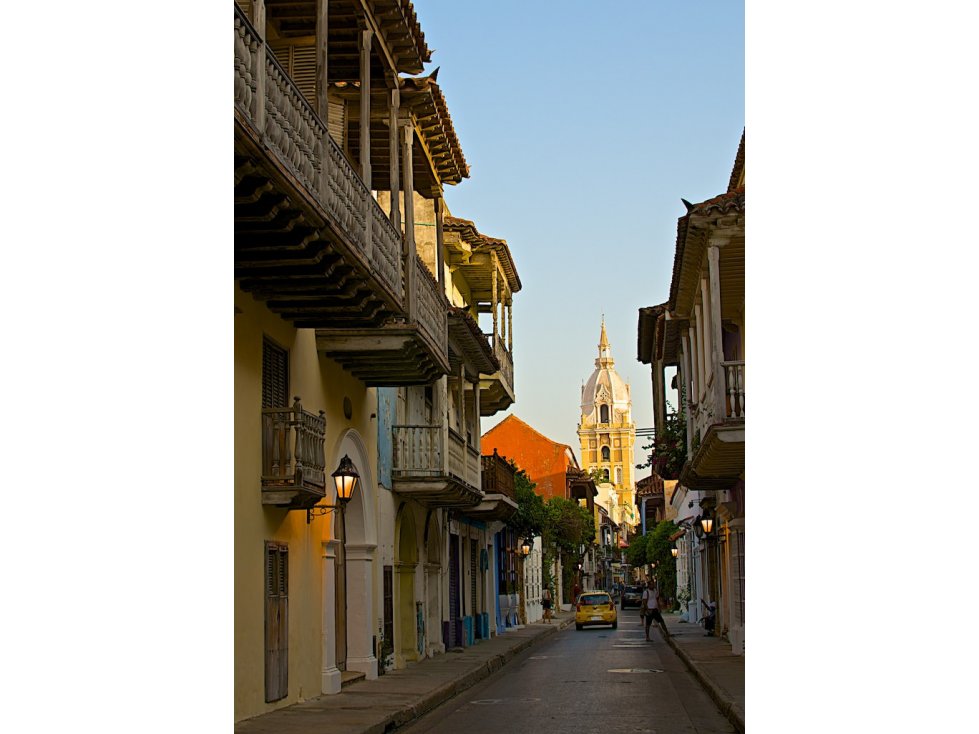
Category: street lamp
<point>345,478</point>
<point>674,552</point>
<point>707,522</point>
<point>526,546</point>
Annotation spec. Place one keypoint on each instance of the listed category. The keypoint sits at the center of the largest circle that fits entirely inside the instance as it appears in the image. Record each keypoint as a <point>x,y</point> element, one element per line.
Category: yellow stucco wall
<point>322,385</point>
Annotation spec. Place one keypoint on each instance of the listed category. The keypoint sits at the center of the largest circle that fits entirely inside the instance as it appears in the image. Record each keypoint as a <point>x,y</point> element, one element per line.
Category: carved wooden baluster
<point>296,422</point>
<point>320,438</point>
<point>741,390</point>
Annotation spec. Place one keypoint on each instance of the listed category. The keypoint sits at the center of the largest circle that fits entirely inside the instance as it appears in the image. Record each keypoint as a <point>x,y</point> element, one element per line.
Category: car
<point>632,597</point>
<point>595,607</point>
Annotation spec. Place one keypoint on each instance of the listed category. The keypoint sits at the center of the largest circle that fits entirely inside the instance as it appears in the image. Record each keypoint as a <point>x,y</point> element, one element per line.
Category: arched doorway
<point>406,561</point>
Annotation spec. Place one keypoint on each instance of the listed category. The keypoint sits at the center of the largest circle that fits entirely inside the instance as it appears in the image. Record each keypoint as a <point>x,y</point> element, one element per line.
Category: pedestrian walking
<point>546,602</point>
<point>649,610</point>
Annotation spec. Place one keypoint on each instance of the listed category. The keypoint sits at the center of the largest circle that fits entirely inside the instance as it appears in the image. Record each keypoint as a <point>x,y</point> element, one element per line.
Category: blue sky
<point>583,125</point>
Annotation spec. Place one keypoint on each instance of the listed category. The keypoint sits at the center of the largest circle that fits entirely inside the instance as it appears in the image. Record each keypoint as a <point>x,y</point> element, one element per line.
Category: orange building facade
<point>546,462</point>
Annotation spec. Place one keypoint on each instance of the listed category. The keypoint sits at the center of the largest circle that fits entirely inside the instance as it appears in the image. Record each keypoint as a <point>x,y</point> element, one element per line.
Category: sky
<point>583,129</point>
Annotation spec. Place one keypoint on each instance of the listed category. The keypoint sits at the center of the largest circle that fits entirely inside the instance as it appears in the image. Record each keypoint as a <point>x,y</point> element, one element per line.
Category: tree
<point>658,551</point>
<point>635,554</point>
<point>530,517</point>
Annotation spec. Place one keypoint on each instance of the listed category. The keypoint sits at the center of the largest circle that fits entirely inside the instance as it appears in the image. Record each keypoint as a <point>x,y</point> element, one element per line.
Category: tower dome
<point>605,397</point>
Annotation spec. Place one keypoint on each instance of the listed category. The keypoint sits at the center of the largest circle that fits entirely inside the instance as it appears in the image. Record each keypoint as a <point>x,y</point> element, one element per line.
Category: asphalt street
<point>594,680</point>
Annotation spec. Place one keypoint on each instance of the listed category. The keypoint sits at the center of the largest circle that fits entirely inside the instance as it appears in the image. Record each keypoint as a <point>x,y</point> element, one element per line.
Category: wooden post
<point>322,92</point>
<point>262,67</point>
<point>717,340</point>
<point>395,213</point>
<point>365,108</point>
<point>696,354</point>
<point>494,300</point>
<point>509,329</point>
<point>409,189</point>
<point>440,242</point>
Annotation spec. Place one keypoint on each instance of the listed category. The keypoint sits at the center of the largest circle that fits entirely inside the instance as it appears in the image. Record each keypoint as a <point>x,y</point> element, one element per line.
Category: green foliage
<point>635,554</point>
<point>567,524</point>
<point>530,517</point>
<point>669,449</point>
<point>658,545</point>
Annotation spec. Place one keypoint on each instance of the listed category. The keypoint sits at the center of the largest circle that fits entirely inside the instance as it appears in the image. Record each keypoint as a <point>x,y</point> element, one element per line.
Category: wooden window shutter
<point>276,621</point>
<point>299,61</point>
<point>337,120</point>
<point>275,376</point>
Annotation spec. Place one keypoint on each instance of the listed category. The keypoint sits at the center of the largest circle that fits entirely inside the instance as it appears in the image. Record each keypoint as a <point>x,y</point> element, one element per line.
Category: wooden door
<point>454,589</point>
<point>276,621</point>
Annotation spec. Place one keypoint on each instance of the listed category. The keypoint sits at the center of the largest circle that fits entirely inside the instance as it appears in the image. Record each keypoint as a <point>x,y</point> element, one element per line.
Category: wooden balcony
<point>313,244</point>
<point>433,465</point>
<point>404,351</point>
<point>499,500</point>
<point>496,390</point>
<point>718,422</point>
<point>293,473</point>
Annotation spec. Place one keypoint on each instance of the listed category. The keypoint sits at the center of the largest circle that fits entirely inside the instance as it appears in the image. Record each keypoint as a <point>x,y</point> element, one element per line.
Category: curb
<point>729,709</point>
<point>451,690</point>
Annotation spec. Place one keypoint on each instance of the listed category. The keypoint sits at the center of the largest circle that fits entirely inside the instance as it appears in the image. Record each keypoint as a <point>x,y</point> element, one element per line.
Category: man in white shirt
<point>649,609</point>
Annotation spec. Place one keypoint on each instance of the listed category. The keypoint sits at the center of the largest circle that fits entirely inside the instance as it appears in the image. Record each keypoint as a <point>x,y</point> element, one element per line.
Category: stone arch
<point>433,584</point>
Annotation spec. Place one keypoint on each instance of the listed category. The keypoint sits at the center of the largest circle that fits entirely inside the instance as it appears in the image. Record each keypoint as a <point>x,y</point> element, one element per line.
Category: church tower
<point>607,434</point>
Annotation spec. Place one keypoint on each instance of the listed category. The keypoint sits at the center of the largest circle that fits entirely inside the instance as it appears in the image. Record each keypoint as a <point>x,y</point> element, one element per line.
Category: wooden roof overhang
<point>720,219</point>
<point>648,319</point>
<point>737,172</point>
<point>492,507</point>
<point>719,460</point>
<point>473,256</point>
<point>398,42</point>
<point>469,345</point>
<point>437,157</point>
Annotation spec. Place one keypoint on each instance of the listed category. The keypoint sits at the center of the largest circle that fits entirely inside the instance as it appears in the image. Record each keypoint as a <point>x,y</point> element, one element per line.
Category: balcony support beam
<point>365,110</point>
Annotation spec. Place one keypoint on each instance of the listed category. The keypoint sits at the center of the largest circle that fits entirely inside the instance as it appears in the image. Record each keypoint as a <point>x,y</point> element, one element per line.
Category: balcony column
<point>407,144</point>
<point>696,355</point>
<point>685,372</point>
<point>494,301</point>
<point>714,276</point>
<point>476,420</point>
<point>395,213</point>
<point>509,330</point>
<point>261,68</point>
<point>462,401</point>
<point>440,242</point>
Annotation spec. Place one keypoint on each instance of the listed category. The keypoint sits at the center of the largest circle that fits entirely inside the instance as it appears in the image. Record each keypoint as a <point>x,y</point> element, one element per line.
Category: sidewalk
<point>399,696</point>
<point>711,662</point>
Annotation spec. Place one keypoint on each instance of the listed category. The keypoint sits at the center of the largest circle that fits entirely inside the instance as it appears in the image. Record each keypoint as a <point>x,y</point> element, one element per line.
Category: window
<point>604,414</point>
<point>618,475</point>
<point>275,375</point>
<point>605,453</point>
<point>605,474</point>
<point>276,621</point>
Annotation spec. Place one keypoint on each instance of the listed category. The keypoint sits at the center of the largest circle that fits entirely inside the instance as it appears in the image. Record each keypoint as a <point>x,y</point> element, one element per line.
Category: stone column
<point>330,678</point>
<point>360,610</point>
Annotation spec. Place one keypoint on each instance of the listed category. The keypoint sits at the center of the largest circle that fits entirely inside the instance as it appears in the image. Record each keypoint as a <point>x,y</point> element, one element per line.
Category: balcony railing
<point>419,453</point>
<point>431,307</point>
<point>497,476</point>
<point>268,99</point>
<point>734,390</point>
<point>505,360</point>
<point>293,460</point>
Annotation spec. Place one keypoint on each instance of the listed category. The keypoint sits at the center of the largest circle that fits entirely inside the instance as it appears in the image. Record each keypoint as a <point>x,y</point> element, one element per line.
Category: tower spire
<point>604,349</point>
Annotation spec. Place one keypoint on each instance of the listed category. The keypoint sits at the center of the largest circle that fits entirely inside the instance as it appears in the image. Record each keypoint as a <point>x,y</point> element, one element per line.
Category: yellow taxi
<point>595,607</point>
